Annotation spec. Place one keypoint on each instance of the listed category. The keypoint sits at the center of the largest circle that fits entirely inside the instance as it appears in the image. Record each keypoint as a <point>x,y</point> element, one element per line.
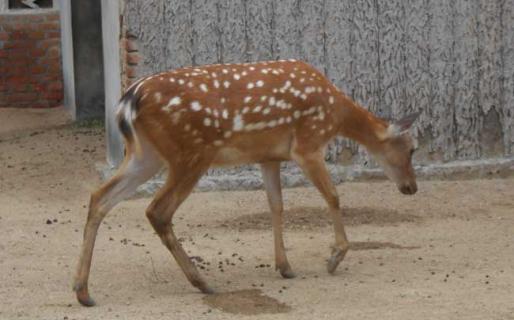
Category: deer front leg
<point>313,165</point>
<point>160,213</point>
<point>271,178</point>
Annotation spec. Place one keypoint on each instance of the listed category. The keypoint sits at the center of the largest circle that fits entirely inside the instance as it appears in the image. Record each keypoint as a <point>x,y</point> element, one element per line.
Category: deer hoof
<point>287,274</point>
<point>207,290</point>
<point>83,296</point>
<point>335,259</point>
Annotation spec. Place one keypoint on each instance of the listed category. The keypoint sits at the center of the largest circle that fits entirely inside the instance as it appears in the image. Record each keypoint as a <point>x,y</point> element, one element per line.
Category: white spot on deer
<point>204,88</point>
<point>265,71</point>
<point>215,113</point>
<point>322,131</point>
<point>302,80</point>
<point>218,143</point>
<point>275,72</point>
<point>247,99</point>
<point>225,71</point>
<point>181,81</point>
<point>250,85</point>
<point>161,78</point>
<point>272,123</point>
<point>237,76</point>
<point>216,84</point>
<point>303,96</point>
<point>331,100</point>
<point>257,109</point>
<point>245,110</point>
<point>259,83</point>
<point>297,114</point>
<point>187,127</point>
<point>157,96</point>
<point>172,80</point>
<point>320,90</point>
<point>313,126</point>
<point>281,120</point>
<point>208,110</point>
<point>190,84</point>
<point>214,75</point>
<point>289,119</point>
<point>198,141</point>
<point>224,114</point>
<point>266,111</point>
<point>251,69</point>
<point>227,134</point>
<point>216,123</point>
<point>226,84</point>
<point>175,101</point>
<point>272,101</point>
<point>330,127</point>
<point>260,125</point>
<point>263,98</point>
<point>292,75</point>
<point>207,122</point>
<point>244,73</point>
<point>238,123</point>
<point>196,106</point>
<point>223,100</point>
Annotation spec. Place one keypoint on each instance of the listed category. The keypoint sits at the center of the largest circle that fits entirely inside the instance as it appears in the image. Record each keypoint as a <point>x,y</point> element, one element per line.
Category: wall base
<point>250,177</point>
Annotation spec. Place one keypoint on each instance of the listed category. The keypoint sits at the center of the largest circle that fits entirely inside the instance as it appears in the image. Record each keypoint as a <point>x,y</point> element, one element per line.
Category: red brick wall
<point>130,58</point>
<point>30,60</point>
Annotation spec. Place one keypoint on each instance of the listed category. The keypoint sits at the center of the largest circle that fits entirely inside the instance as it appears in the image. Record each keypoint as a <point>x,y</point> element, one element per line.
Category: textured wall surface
<point>452,60</point>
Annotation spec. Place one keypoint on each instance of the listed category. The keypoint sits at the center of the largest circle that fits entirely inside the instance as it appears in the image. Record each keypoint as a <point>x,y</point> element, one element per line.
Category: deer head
<point>395,154</point>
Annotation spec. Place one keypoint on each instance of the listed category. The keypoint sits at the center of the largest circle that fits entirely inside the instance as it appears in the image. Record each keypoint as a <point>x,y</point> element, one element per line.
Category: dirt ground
<point>445,253</point>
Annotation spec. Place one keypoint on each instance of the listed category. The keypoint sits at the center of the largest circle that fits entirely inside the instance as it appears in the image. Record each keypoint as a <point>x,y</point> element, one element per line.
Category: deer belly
<point>237,155</point>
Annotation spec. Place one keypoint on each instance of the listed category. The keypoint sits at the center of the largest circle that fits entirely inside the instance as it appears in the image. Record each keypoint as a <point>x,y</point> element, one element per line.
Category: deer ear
<point>401,126</point>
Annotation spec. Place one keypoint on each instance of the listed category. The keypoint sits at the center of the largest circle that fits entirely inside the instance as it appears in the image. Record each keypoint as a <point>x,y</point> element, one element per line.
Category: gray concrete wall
<point>86,27</point>
<point>453,60</point>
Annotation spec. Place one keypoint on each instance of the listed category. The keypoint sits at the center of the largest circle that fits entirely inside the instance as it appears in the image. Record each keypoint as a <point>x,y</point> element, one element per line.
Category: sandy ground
<point>445,253</point>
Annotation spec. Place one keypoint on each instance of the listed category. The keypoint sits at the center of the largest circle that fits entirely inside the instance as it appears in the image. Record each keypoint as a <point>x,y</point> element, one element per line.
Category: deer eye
<point>412,151</point>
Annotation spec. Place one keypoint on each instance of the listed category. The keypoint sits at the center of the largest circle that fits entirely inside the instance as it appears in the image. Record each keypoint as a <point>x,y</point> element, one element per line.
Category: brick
<point>22,97</point>
<point>37,69</point>
<point>133,58</point>
<point>37,52</point>
<point>131,45</point>
<point>50,26</point>
<point>35,35</point>
<point>53,52</point>
<point>53,95</point>
<point>18,44</point>
<point>52,35</point>
<point>131,72</point>
<point>4,36</point>
<point>48,43</point>
<point>55,86</point>
<point>52,17</point>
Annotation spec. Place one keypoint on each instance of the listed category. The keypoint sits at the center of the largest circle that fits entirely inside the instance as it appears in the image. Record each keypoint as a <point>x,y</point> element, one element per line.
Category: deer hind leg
<point>160,213</point>
<point>271,178</point>
<point>313,165</point>
<point>132,173</point>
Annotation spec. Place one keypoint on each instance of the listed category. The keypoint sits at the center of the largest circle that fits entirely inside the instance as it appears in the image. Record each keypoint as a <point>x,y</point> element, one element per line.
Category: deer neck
<point>359,124</point>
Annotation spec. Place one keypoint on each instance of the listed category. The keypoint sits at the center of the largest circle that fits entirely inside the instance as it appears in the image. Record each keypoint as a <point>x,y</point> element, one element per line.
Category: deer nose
<point>409,188</point>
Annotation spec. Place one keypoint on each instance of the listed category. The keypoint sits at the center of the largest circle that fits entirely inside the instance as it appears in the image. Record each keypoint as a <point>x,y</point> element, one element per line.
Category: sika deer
<point>193,118</point>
